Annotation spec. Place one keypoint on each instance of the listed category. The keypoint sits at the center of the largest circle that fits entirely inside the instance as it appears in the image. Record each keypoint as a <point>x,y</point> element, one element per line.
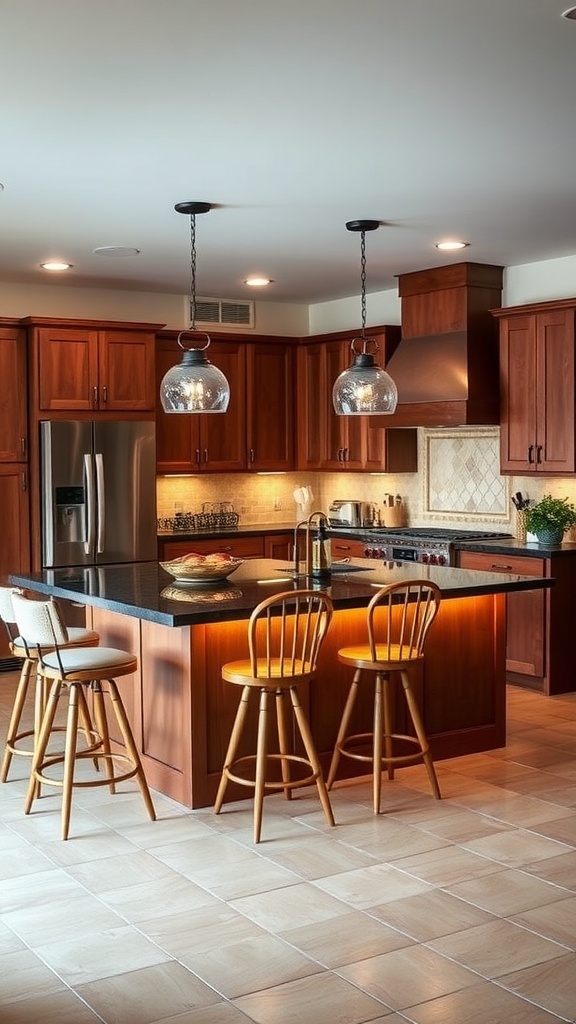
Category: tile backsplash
<point>458,481</point>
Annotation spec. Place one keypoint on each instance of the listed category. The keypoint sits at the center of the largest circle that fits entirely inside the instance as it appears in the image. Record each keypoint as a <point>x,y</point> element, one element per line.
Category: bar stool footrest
<point>230,772</point>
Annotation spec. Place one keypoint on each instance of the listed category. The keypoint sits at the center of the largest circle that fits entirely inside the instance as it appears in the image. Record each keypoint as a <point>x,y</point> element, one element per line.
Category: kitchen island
<point>182,712</point>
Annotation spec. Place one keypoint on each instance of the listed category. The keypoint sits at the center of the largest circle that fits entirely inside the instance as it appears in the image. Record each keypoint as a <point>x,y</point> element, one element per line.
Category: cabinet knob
<point>104,394</point>
<point>197,456</point>
<point>251,455</point>
<point>95,397</point>
<point>23,446</point>
<point>205,455</point>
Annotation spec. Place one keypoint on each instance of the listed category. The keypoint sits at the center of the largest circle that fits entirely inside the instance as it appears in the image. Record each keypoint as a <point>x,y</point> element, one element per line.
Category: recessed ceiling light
<point>450,244</point>
<point>55,265</point>
<point>258,282</point>
<point>115,250</point>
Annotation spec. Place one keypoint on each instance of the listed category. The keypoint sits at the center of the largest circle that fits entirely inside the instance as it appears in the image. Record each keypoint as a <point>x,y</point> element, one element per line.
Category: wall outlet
<point>277,504</point>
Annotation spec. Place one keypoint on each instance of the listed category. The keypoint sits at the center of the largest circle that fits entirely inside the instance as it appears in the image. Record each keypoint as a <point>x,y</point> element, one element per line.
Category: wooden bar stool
<point>28,655</point>
<point>285,634</point>
<point>76,669</point>
<point>398,617</point>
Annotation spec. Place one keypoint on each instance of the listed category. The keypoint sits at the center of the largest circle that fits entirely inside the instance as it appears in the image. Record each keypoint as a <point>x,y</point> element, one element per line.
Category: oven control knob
<point>433,559</point>
<point>381,553</point>
<point>441,559</point>
<point>368,552</point>
<point>425,557</point>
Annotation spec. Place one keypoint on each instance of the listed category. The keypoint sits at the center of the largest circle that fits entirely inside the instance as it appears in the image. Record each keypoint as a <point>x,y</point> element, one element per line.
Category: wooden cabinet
<point>330,442</point>
<point>525,612</point>
<point>239,547</point>
<point>14,496</point>
<point>270,405</point>
<point>213,443</point>
<point>13,397</point>
<point>538,388</point>
<point>279,545</point>
<point>87,367</point>
<point>341,548</point>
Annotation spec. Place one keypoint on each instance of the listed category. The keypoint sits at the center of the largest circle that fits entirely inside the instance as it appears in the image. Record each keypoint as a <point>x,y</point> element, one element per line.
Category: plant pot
<point>551,536</point>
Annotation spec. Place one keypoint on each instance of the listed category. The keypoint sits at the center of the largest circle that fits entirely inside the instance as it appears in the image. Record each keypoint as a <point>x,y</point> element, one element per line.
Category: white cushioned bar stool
<point>285,634</point>
<point>17,737</point>
<point>398,619</point>
<point>76,669</point>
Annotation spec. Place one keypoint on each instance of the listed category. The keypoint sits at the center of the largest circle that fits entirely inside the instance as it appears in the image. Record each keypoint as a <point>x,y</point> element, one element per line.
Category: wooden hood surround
<point>446,367</point>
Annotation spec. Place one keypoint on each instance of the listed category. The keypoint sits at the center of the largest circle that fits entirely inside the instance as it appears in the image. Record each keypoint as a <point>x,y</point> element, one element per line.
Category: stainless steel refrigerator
<point>98,492</point>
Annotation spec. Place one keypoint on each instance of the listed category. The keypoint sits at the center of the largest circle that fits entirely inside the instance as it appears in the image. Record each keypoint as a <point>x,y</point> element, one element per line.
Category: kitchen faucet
<point>307,524</point>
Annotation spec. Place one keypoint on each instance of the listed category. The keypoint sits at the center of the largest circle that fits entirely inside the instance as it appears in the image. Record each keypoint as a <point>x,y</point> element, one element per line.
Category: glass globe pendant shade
<point>194,385</point>
<point>364,389</point>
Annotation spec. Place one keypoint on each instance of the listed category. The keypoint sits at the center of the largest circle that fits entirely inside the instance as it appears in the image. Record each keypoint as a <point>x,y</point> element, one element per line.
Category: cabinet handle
<point>226,547</point>
<point>342,547</point>
<point>95,397</point>
<point>104,394</point>
<point>498,565</point>
<point>205,455</point>
<point>23,446</point>
<point>340,455</point>
<point>197,456</point>
<point>24,480</point>
<point>530,454</point>
<point>346,455</point>
<point>538,453</point>
<point>251,455</point>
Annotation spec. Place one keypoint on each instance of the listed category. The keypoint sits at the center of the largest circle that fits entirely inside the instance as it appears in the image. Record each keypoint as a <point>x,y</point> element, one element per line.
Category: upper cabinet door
<point>538,390</point>
<point>67,369</point>
<point>126,371</point>
<point>270,398</point>
<point>345,434</point>
<point>13,396</point>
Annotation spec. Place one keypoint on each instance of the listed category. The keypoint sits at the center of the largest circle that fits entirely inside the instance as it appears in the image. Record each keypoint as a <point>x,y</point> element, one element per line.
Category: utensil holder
<point>521,525</point>
<point>394,516</point>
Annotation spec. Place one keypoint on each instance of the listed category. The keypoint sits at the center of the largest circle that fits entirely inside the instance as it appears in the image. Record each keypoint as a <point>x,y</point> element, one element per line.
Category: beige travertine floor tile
<point>100,954</point>
<point>323,856</point>
<point>497,948</point>
<point>354,936</point>
<point>446,866</point>
<point>290,907</point>
<point>22,859</point>
<point>556,920</point>
<point>430,914</point>
<point>516,848</point>
<point>190,932</point>
<point>522,811</point>
<point>221,1013</point>
<point>147,900</point>
<point>36,888</point>
<point>63,919</point>
<point>322,998</point>
<point>551,985</point>
<point>408,976</point>
<point>562,829</point>
<point>560,870</point>
<point>9,942</point>
<point>393,838</point>
<point>24,976</point>
<point>50,1008</point>
<point>257,875</point>
<point>507,892</point>
<point>457,825</point>
<point>260,962</point>
<point>126,870</point>
<point>482,1004</point>
<point>174,827</point>
<point>143,996</point>
<point>367,887</point>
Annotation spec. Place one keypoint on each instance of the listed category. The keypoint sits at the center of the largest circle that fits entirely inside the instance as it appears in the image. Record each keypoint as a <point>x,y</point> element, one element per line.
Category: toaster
<point>345,513</point>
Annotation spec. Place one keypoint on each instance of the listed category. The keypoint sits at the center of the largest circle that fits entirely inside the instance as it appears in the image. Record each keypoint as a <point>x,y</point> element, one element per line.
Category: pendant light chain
<point>193,271</point>
<point>363,283</point>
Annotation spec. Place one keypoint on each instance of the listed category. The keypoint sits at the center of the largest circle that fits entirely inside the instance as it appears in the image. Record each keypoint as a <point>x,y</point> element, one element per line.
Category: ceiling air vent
<point>226,312</point>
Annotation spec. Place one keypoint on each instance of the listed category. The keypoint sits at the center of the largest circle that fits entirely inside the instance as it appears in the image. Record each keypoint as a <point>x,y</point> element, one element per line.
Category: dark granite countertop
<point>145,590</point>
<point>241,530</point>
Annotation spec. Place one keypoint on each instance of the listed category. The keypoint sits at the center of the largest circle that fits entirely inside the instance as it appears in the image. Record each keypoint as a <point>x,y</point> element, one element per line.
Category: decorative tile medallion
<point>461,478</point>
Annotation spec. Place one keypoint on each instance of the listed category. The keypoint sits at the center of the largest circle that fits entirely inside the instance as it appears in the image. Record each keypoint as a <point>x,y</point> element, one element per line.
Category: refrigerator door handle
<point>101,502</point>
<point>90,505</point>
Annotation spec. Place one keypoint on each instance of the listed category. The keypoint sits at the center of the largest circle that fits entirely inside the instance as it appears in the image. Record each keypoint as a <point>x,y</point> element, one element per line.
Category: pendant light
<point>364,388</point>
<point>195,385</point>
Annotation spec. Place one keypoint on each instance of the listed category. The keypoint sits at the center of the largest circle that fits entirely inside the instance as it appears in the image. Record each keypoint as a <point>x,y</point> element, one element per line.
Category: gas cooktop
<point>433,533</point>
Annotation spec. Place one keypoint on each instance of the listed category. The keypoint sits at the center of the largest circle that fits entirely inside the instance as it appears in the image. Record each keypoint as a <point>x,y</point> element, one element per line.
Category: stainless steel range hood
<point>446,366</point>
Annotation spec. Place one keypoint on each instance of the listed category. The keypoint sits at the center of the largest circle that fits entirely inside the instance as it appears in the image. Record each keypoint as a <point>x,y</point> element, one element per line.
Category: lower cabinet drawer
<point>240,547</point>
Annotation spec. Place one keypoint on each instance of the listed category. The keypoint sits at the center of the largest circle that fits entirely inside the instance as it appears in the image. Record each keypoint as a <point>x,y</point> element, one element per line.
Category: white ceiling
<point>436,117</point>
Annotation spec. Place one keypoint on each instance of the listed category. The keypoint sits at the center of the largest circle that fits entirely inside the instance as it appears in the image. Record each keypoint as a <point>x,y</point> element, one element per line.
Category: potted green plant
<point>549,518</point>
